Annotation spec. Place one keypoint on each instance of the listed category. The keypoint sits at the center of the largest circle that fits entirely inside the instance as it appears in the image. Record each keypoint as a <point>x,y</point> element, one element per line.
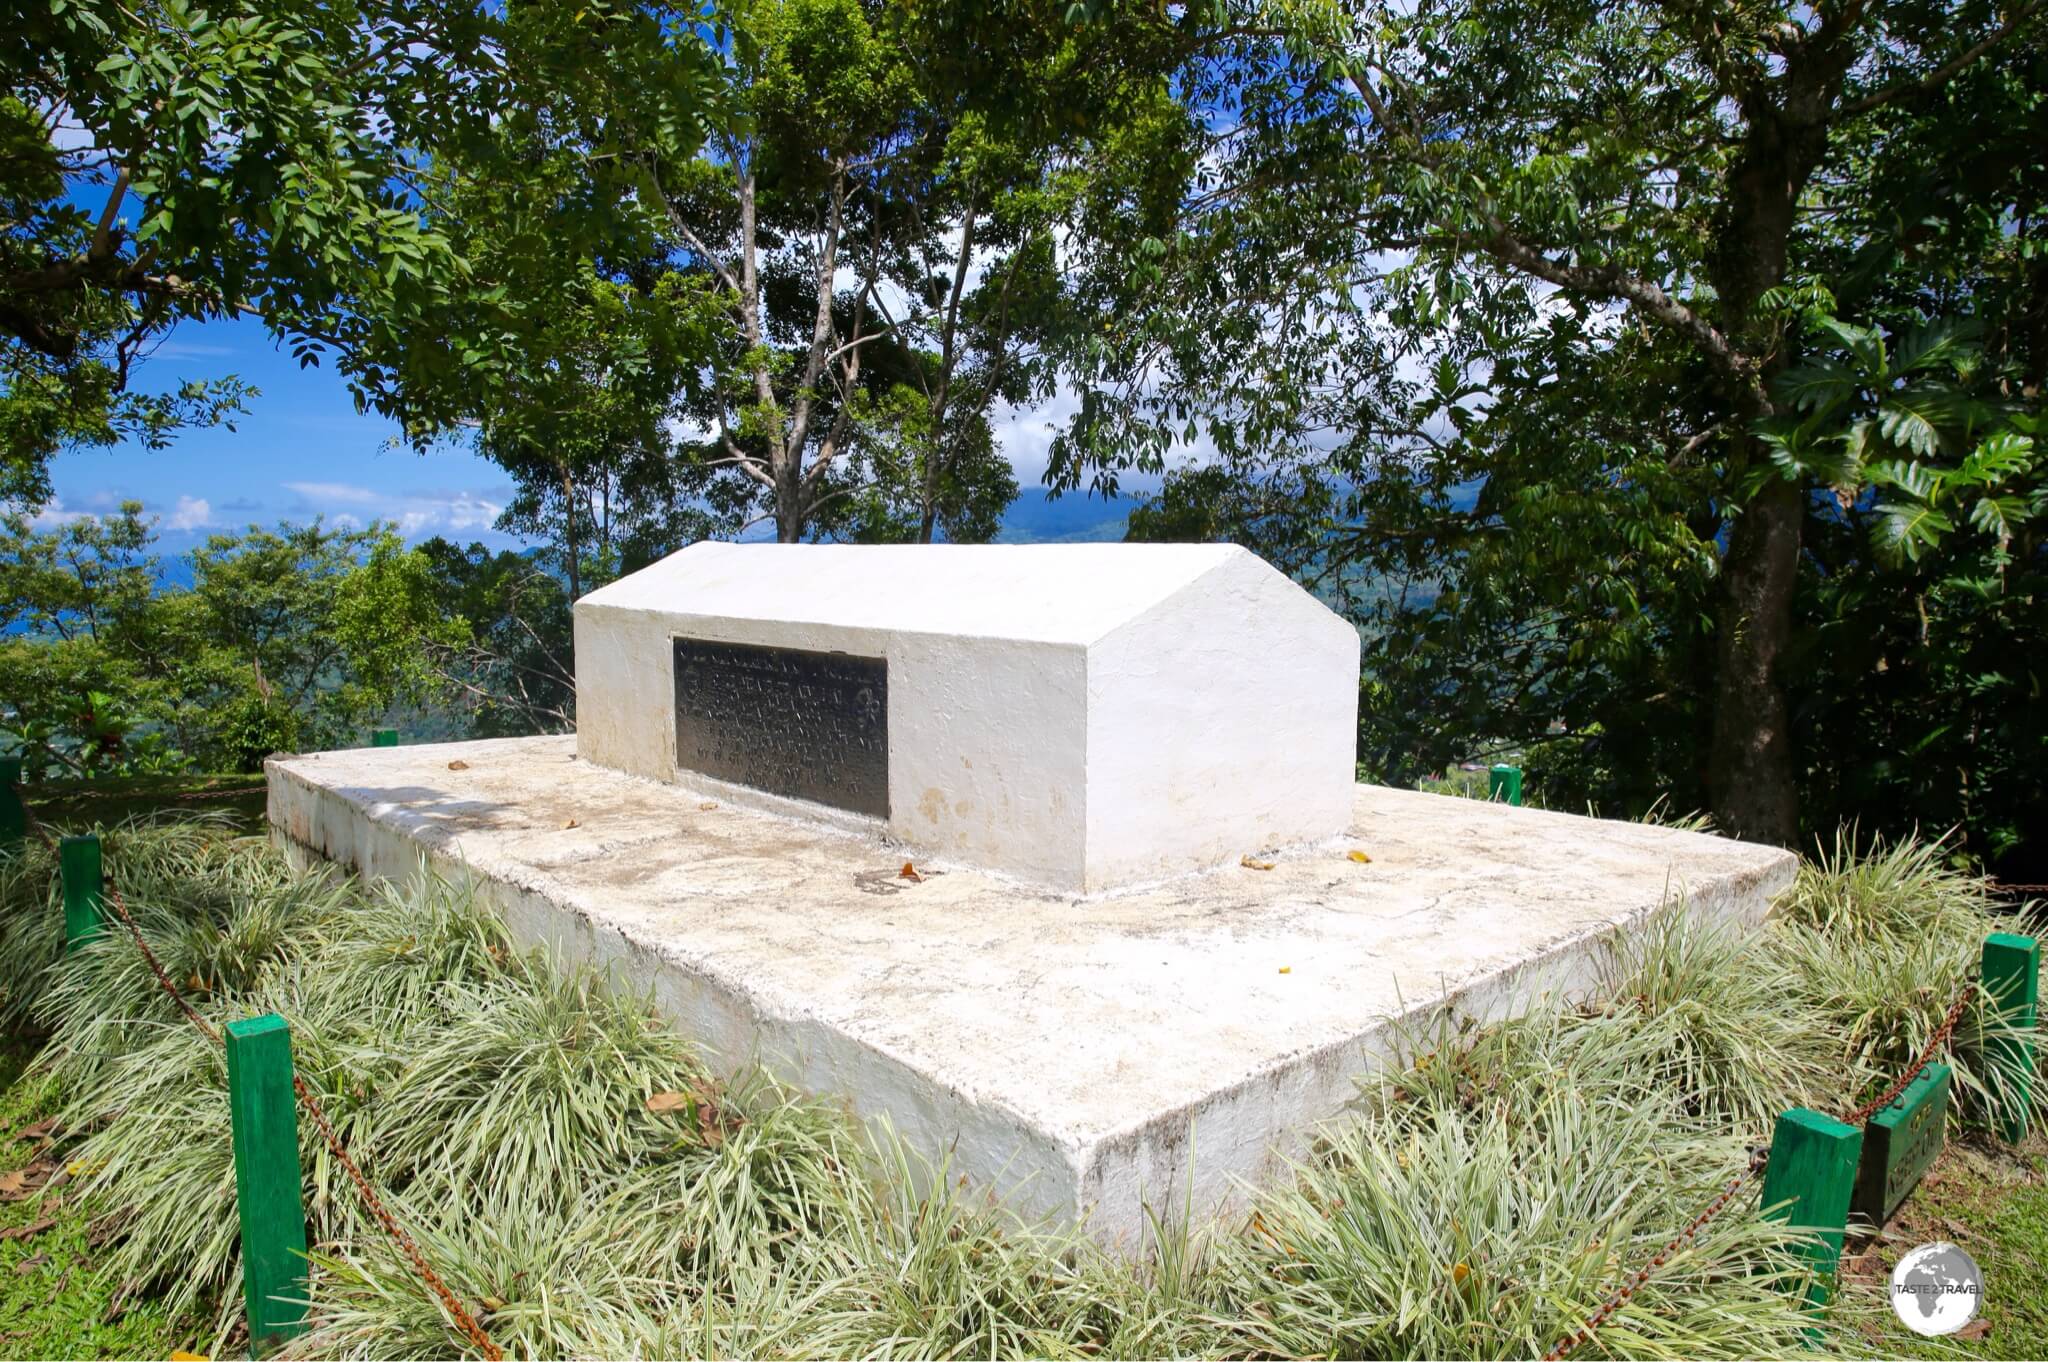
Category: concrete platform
<point>1080,1055</point>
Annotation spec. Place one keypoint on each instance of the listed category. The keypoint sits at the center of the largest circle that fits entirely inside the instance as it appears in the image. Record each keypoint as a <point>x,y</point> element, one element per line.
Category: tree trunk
<point>1751,769</point>
<point>789,502</point>
<point>569,536</point>
<point>1750,773</point>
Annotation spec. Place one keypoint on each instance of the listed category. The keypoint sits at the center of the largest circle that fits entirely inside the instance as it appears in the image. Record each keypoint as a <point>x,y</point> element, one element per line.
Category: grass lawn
<point>1992,1201</point>
<point>54,1300</point>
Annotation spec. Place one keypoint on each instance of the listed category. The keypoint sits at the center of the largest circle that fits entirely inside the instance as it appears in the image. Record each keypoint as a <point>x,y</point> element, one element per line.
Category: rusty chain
<point>391,1226</point>
<point>1570,1342</point>
<point>466,1321</point>
<point>1934,1042</point>
<point>1758,1159</point>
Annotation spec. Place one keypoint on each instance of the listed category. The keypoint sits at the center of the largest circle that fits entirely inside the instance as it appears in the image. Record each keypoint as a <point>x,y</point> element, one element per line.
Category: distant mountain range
<point>1036,517</point>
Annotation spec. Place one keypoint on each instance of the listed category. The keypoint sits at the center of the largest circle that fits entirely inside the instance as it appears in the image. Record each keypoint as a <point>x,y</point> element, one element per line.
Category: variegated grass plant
<point>585,1186</point>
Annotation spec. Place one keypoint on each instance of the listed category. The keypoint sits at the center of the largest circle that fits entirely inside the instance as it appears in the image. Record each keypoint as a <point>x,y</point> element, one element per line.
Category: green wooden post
<point>1504,782</point>
<point>79,864</point>
<point>2012,976</point>
<point>264,1121</point>
<point>1808,1181</point>
<point>384,737</point>
<point>13,816</point>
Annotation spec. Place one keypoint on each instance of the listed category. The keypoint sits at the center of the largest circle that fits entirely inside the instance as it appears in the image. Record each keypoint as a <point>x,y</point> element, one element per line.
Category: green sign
<point>1900,1144</point>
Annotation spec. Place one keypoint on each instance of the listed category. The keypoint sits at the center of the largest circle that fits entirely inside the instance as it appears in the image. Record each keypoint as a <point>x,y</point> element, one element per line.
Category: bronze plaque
<point>786,720</point>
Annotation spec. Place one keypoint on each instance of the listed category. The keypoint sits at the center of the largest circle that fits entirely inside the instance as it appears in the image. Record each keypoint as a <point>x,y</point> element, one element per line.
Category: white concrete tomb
<point>1081,716</point>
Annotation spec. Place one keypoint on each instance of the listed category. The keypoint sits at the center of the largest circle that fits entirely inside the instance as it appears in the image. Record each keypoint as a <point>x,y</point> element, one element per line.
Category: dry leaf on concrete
<point>707,806</point>
<point>458,766</point>
<point>909,872</point>
<point>1361,858</point>
<point>1250,864</point>
<point>568,823</point>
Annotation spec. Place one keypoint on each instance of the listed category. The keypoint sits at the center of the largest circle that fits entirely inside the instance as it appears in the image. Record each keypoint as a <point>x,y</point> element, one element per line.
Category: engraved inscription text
<point>805,724</point>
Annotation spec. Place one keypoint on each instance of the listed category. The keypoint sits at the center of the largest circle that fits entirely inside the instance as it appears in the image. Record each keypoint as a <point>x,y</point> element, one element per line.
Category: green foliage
<point>1498,1184</point>
<point>1880,943</point>
<point>287,638</point>
<point>54,1298</point>
<point>166,162</point>
<point>1654,385</point>
<point>515,675</point>
<point>810,318</point>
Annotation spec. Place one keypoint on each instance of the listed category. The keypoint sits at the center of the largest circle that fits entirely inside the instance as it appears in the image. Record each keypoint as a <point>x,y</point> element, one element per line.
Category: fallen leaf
<point>28,1265</point>
<point>83,1168</point>
<point>180,1355</point>
<point>458,766</point>
<point>41,1130</point>
<point>27,1231</point>
<point>909,872</point>
<point>568,823</point>
<point>1361,858</point>
<point>1287,969</point>
<point>1459,1273</point>
<point>668,1101</point>
<point>1249,864</point>
<point>1974,1330</point>
<point>23,1183</point>
<point>707,806</point>
<point>493,1303</point>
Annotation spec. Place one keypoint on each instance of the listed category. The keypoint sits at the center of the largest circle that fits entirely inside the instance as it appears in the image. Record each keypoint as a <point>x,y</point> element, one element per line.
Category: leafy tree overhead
<point>168,161</point>
<point>811,318</point>
<point>1552,341</point>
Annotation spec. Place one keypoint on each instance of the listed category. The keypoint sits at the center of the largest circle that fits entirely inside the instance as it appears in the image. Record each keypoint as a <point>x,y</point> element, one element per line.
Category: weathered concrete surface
<point>1065,1050</point>
<point>1079,716</point>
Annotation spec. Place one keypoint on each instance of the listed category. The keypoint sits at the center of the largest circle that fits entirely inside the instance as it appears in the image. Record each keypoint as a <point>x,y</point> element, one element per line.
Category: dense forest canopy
<point>1658,385</point>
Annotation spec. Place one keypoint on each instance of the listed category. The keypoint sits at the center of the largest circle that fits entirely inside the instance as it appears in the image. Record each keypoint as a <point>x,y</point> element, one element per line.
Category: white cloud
<point>330,493</point>
<point>191,350</point>
<point>1025,434</point>
<point>55,513</point>
<point>349,506</point>
<point>191,513</point>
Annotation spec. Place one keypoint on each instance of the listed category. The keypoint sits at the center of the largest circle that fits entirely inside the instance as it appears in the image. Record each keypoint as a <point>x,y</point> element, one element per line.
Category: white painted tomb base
<point>1077,1054</point>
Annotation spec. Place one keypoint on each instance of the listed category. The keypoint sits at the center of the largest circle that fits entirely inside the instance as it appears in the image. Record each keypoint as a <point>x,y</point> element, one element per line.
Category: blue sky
<point>302,450</point>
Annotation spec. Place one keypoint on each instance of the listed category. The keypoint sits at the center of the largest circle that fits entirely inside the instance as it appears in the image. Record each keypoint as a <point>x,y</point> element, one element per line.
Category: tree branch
<point>1943,74</point>
<point>1611,281</point>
